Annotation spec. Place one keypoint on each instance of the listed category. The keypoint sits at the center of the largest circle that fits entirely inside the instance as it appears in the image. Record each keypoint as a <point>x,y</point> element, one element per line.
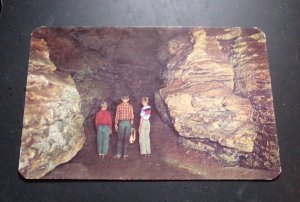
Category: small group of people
<point>123,124</point>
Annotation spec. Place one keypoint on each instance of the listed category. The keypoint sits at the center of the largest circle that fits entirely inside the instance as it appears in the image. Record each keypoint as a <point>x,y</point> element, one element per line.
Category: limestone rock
<point>218,97</point>
<point>52,125</point>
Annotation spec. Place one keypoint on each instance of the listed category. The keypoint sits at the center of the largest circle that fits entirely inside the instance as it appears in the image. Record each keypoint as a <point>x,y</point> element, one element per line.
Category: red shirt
<point>103,117</point>
<point>124,112</point>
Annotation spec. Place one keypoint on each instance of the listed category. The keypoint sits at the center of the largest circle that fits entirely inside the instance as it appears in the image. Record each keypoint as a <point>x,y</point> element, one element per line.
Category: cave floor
<point>168,161</point>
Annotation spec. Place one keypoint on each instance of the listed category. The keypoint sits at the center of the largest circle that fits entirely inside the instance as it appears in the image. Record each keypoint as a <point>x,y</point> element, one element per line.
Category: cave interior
<point>106,63</point>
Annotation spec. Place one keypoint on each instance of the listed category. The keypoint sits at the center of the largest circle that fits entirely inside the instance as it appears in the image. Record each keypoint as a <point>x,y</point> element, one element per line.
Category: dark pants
<point>123,137</point>
<point>103,139</point>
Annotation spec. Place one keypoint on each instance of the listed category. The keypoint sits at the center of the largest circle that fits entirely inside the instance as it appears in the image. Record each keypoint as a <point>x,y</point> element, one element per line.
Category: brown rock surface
<point>52,125</point>
<point>218,95</point>
<point>249,58</point>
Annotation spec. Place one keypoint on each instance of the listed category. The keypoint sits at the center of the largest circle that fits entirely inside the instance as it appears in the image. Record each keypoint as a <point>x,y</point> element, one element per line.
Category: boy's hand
<point>131,122</point>
<point>110,132</point>
<point>116,127</point>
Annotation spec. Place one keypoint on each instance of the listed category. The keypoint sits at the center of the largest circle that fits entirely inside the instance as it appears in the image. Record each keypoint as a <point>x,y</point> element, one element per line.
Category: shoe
<point>118,156</point>
<point>125,157</point>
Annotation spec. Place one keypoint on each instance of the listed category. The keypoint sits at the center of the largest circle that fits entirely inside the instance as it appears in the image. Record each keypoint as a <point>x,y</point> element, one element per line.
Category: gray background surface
<point>280,20</point>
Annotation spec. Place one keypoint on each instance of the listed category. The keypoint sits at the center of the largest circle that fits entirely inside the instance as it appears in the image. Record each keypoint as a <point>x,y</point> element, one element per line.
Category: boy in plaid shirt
<point>123,123</point>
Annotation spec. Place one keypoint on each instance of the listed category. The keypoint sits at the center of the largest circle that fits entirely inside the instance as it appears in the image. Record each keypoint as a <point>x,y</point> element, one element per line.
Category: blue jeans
<point>123,137</point>
<point>103,139</point>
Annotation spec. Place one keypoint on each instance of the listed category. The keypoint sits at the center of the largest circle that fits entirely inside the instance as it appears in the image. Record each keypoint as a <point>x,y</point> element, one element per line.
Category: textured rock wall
<point>218,96</point>
<point>252,81</point>
<point>52,125</point>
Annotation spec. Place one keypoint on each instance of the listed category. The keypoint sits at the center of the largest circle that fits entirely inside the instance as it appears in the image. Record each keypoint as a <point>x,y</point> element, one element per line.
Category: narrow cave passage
<point>105,64</point>
<point>145,87</point>
<point>130,66</point>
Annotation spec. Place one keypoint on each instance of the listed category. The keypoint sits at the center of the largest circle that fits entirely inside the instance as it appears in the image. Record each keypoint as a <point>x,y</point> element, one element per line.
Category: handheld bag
<point>132,136</point>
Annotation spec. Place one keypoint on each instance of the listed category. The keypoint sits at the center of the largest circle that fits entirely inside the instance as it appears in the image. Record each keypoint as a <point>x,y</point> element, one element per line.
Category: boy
<point>123,123</point>
<point>103,124</point>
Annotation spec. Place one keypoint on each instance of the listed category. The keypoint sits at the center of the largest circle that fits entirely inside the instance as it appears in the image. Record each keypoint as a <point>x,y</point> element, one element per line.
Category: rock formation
<point>52,125</point>
<point>218,97</point>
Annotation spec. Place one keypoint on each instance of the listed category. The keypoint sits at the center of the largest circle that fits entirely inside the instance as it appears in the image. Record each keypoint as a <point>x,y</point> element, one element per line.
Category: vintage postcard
<point>149,103</point>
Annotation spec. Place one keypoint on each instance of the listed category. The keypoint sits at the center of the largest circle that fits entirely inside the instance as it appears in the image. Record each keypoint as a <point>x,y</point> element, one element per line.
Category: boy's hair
<point>103,104</point>
<point>145,99</point>
<point>125,97</point>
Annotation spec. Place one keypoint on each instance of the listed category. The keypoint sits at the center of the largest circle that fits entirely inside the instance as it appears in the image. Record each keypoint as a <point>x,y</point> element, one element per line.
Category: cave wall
<point>218,96</point>
<point>252,81</point>
<point>52,124</point>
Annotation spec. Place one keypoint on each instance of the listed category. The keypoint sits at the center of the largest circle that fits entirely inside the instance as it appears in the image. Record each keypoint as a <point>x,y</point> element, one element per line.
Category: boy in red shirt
<point>103,124</point>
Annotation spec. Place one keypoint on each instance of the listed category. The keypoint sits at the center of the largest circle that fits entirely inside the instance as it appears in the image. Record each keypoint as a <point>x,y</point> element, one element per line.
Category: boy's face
<point>144,103</point>
<point>104,107</point>
<point>125,100</point>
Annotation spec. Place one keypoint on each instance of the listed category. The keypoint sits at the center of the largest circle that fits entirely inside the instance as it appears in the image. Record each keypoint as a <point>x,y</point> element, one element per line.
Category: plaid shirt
<point>124,112</point>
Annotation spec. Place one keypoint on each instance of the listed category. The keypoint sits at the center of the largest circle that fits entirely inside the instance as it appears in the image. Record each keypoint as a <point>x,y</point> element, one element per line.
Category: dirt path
<point>168,161</point>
